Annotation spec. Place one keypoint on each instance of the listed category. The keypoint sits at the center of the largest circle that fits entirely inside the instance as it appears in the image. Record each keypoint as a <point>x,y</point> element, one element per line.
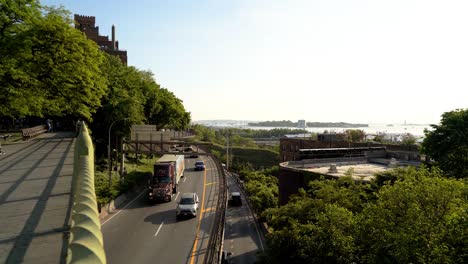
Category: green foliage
<point>355,135</point>
<point>133,179</point>
<point>46,66</point>
<point>258,158</point>
<point>414,216</point>
<point>419,219</point>
<point>49,68</point>
<point>171,113</point>
<point>344,192</point>
<point>408,139</point>
<point>262,189</point>
<point>447,143</point>
<point>136,97</point>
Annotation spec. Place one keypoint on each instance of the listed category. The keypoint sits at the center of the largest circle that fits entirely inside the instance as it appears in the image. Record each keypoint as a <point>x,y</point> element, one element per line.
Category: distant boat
<point>389,125</point>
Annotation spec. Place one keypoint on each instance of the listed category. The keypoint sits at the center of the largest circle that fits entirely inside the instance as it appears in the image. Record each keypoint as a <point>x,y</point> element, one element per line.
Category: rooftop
<point>362,168</point>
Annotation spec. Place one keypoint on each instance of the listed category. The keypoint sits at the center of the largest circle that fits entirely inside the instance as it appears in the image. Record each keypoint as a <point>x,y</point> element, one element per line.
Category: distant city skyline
<point>324,61</point>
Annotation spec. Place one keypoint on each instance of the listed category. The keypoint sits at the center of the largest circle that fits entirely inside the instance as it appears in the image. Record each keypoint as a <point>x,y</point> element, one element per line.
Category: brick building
<point>87,25</point>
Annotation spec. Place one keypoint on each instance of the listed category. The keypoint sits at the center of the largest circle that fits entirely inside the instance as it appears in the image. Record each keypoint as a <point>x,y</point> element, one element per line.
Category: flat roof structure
<point>363,172</point>
<point>362,164</point>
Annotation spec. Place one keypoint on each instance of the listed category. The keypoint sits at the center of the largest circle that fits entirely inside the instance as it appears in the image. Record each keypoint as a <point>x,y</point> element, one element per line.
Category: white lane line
<point>185,178</point>
<point>176,196</point>
<point>155,234</point>
<point>118,212</point>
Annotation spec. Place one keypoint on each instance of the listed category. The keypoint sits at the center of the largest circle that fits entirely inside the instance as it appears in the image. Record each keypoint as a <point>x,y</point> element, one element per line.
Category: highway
<point>145,233</point>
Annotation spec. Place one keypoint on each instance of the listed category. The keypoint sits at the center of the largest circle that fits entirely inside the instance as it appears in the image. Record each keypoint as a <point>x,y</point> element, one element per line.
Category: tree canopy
<point>447,143</point>
<point>416,216</point>
<point>46,66</point>
<point>50,69</point>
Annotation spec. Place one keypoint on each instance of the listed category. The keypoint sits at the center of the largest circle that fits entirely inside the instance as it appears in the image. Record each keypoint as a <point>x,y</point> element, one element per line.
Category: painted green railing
<point>85,242</point>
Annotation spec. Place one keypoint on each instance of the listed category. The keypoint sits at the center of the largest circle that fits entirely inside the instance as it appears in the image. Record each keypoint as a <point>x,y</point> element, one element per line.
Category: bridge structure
<point>48,203</point>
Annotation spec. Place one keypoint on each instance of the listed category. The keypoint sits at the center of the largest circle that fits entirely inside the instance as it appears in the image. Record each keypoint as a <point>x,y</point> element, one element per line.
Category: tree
<point>421,218</point>
<point>355,135</point>
<point>412,216</point>
<point>447,143</point>
<point>171,112</point>
<point>47,67</point>
<point>408,139</point>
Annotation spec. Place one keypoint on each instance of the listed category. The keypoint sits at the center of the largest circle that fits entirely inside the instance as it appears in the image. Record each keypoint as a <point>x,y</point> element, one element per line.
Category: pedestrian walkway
<point>35,199</point>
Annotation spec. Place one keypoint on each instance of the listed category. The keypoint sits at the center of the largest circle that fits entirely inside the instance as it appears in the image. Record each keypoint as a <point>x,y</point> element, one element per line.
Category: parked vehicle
<point>199,165</point>
<point>164,182</point>
<point>187,206</point>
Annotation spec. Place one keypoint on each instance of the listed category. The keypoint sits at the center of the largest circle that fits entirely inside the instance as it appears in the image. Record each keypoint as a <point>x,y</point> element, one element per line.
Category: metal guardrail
<point>214,249</point>
<point>85,244</point>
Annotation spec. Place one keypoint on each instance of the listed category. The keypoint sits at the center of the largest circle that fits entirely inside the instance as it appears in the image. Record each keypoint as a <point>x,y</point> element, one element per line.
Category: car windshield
<point>199,163</point>
<point>164,179</point>
<point>187,201</point>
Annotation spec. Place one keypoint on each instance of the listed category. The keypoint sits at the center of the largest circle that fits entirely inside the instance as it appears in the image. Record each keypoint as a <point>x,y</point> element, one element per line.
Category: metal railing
<point>214,249</point>
<point>85,244</point>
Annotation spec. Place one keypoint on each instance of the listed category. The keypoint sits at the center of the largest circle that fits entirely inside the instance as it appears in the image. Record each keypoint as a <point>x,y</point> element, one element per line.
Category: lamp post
<point>227,151</point>
<point>109,151</point>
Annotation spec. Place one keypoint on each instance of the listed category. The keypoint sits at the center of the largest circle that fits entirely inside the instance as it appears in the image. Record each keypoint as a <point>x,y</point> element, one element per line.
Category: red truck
<point>164,182</point>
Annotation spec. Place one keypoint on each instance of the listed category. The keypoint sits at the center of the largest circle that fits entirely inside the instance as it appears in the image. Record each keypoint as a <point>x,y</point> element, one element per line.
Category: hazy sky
<point>332,60</point>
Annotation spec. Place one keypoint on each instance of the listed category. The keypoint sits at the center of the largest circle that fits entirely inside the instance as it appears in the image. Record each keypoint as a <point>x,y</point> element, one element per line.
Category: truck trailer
<point>165,180</point>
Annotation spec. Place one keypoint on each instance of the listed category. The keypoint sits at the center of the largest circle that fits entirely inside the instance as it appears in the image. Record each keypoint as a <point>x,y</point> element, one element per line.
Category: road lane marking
<point>118,212</point>
<point>162,223</point>
<point>185,178</point>
<point>210,183</point>
<point>209,209</point>
<point>192,255</point>
<point>176,196</point>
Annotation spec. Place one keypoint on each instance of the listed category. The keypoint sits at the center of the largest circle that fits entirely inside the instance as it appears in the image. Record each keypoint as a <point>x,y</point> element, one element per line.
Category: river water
<point>413,129</point>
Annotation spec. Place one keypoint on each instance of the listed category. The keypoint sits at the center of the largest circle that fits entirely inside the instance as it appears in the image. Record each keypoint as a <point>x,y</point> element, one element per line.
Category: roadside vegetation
<point>138,171</point>
<point>418,217</point>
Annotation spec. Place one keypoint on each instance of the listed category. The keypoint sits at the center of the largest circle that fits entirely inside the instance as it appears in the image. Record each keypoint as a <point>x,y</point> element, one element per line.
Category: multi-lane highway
<point>145,233</point>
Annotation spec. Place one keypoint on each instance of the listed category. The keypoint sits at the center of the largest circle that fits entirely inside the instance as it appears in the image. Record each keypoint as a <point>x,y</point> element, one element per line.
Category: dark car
<point>235,199</point>
<point>199,165</point>
<point>226,257</point>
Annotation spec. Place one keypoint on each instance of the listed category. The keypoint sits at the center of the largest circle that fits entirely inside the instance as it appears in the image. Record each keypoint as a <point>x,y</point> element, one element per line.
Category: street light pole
<point>227,151</point>
<point>109,152</point>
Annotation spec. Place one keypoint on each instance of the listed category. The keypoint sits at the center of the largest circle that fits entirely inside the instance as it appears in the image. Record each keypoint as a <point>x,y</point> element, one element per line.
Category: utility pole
<point>109,151</point>
<point>227,152</point>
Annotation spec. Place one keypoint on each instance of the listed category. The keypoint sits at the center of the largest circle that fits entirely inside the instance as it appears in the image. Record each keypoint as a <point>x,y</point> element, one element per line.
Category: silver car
<point>187,206</point>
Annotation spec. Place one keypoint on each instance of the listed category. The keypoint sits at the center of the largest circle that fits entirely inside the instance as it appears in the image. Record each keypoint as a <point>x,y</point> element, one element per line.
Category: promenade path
<point>35,199</point>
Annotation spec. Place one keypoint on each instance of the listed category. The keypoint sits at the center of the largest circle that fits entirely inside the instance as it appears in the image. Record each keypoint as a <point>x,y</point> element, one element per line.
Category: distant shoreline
<point>290,124</point>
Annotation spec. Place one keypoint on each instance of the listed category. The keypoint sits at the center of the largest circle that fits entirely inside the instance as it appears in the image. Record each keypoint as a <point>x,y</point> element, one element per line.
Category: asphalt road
<point>242,237</point>
<point>145,233</point>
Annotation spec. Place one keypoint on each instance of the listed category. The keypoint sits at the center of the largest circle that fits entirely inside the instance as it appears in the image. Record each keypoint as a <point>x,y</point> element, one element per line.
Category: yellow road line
<point>209,209</point>
<point>192,257</point>
<point>210,183</point>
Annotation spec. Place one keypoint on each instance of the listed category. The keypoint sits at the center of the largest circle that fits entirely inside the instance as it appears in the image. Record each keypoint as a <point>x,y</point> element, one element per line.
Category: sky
<point>356,61</point>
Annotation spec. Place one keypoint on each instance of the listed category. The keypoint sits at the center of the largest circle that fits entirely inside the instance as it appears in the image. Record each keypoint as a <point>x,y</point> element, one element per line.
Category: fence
<point>213,254</point>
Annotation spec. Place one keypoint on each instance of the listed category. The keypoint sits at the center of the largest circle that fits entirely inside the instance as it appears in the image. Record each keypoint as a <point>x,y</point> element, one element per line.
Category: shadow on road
<point>24,239</point>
